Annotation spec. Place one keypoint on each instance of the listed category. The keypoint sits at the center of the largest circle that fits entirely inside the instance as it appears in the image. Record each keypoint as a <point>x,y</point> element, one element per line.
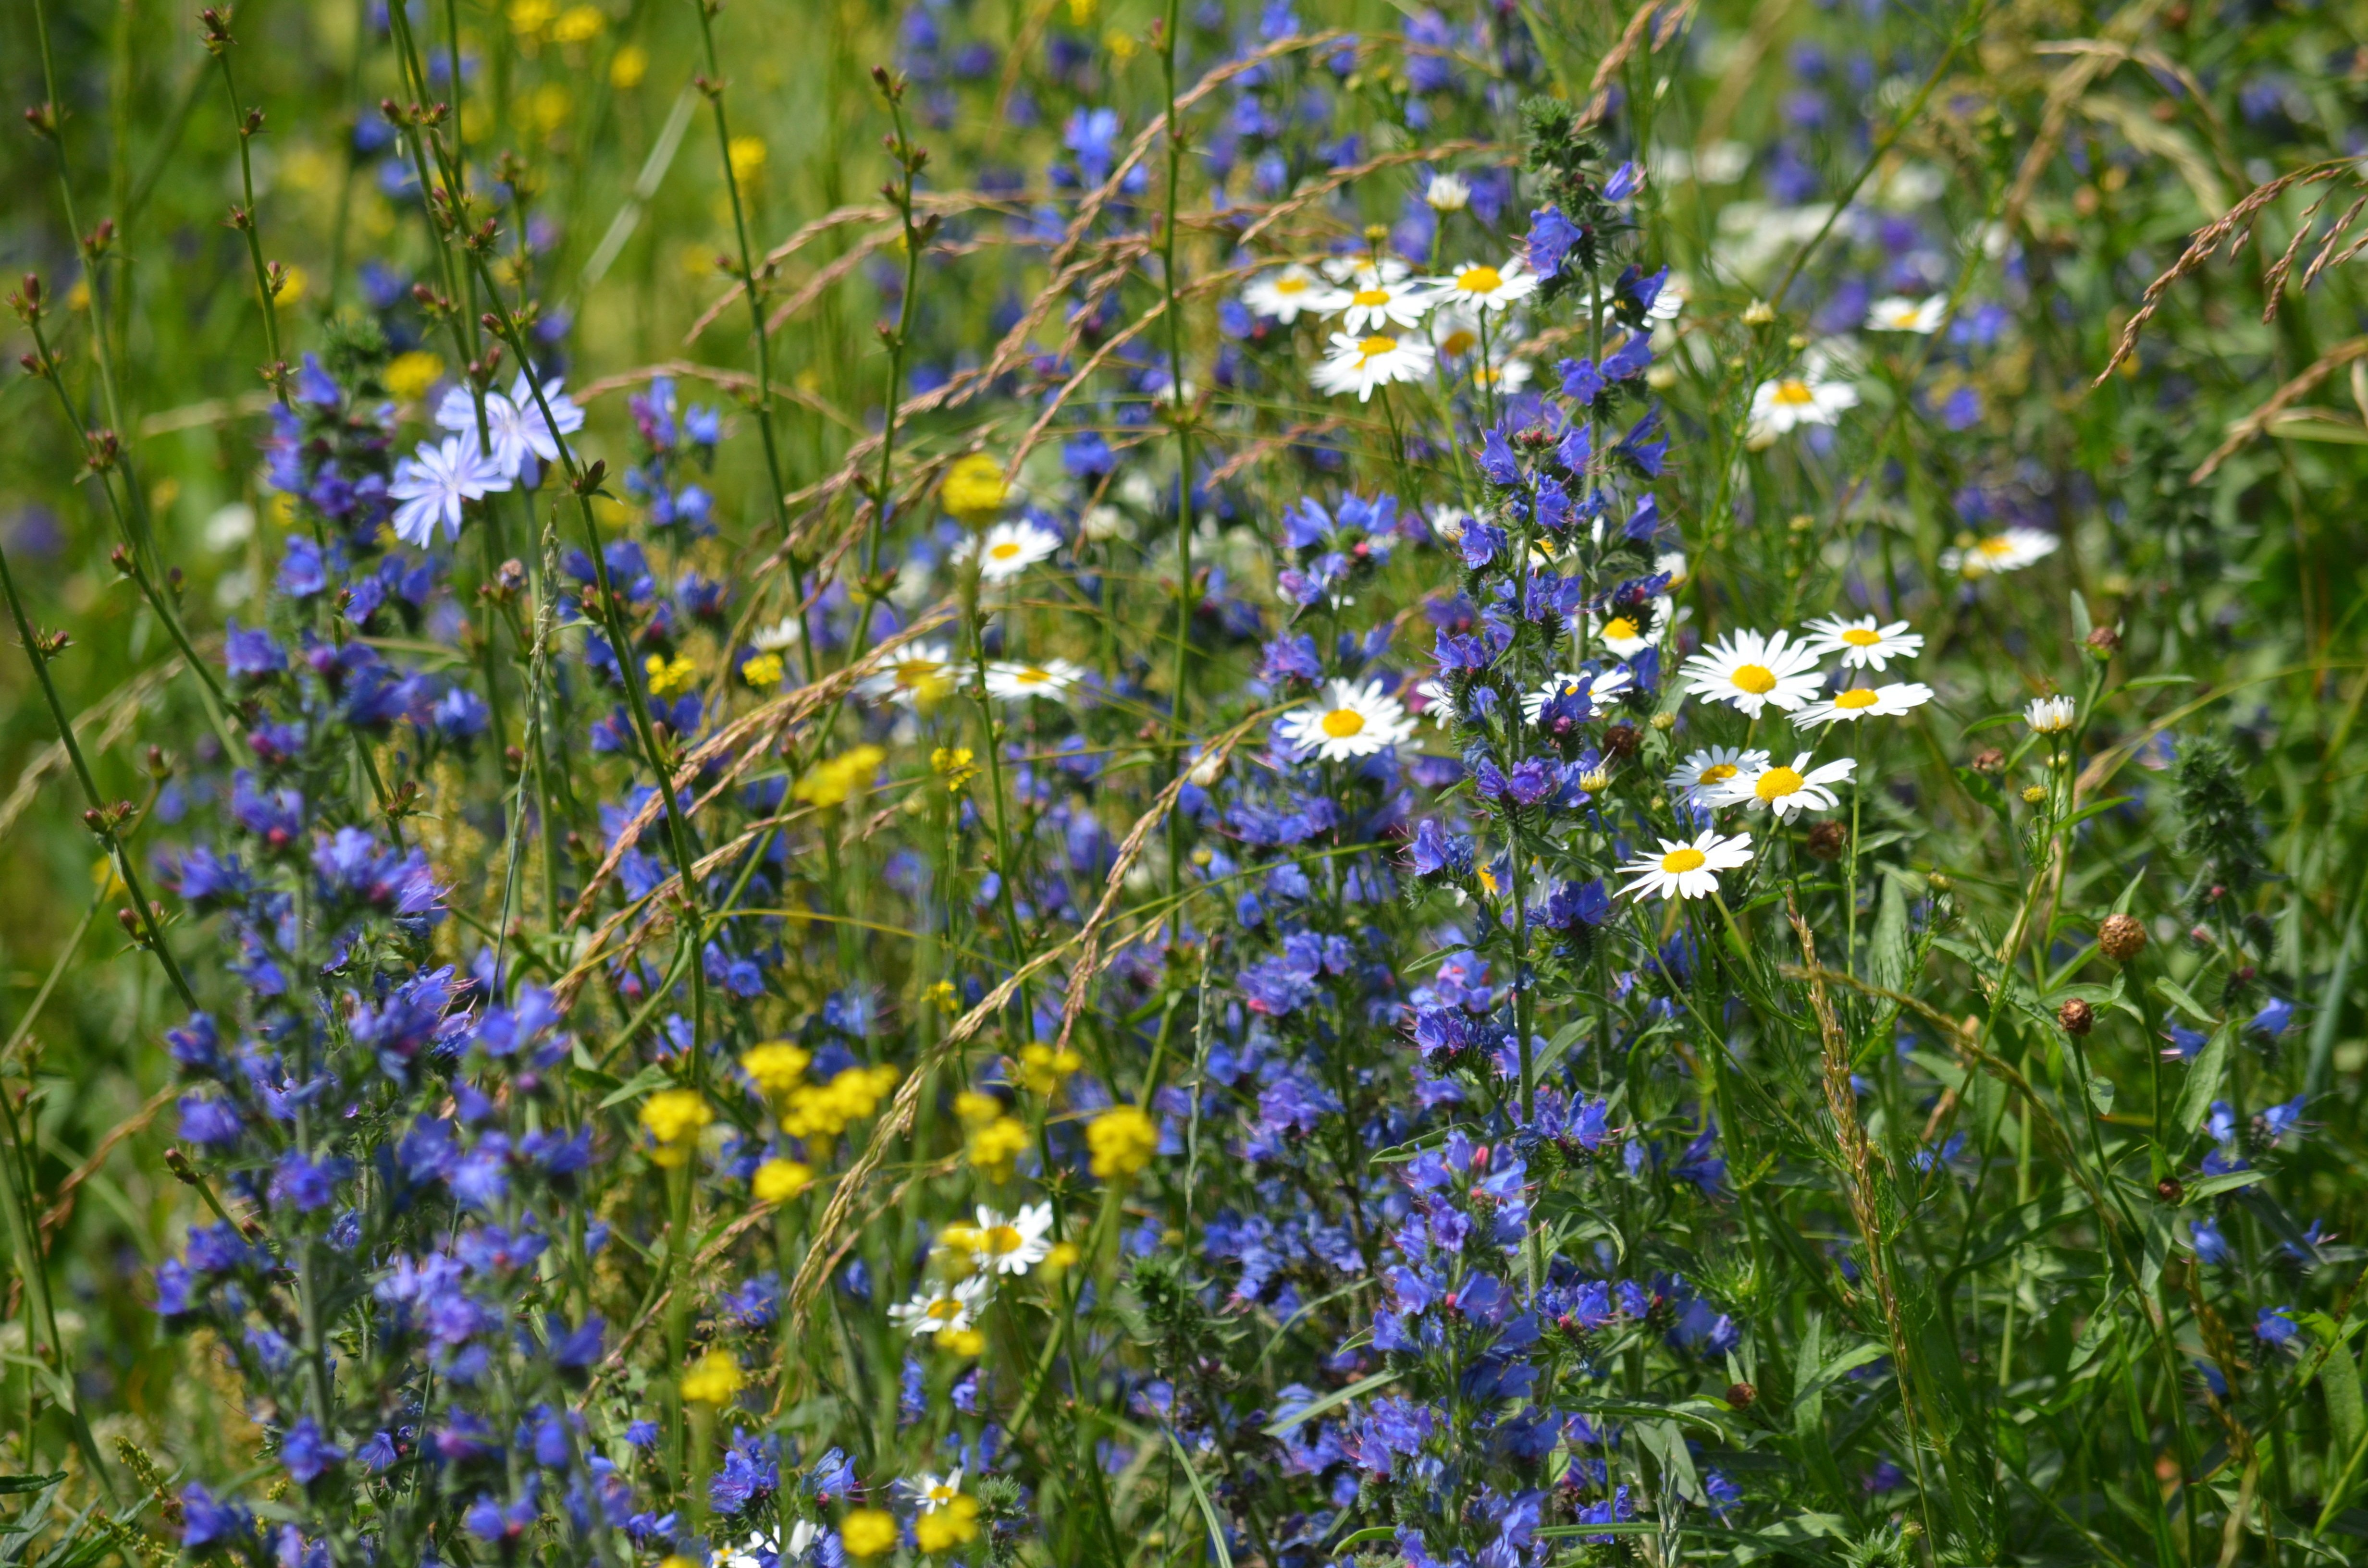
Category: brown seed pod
<point>1621,741</point>
<point>1989,759</point>
<point>2121,938</point>
<point>2168,1189</point>
<point>1828,839</point>
<point>2077,1016</point>
<point>1740,1395</point>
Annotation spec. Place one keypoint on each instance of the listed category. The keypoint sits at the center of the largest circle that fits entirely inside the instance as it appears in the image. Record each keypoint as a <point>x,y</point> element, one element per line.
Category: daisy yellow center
<point>914,672</point>
<point>1457,344</point>
<point>1375,346</point>
<point>942,1494</point>
<point>1290,285</point>
<point>1371,297</point>
<point>1719,772</point>
<point>1861,637</point>
<point>1620,629</point>
<point>1777,783</point>
<point>1996,545</point>
<point>1342,722</point>
<point>1479,280</point>
<point>1855,696</point>
<point>1795,394</point>
<point>1902,314</point>
<point>945,1309</point>
<point>1003,551</point>
<point>997,1240</point>
<point>1756,679</point>
<point>1681,860</point>
<point>1032,675</point>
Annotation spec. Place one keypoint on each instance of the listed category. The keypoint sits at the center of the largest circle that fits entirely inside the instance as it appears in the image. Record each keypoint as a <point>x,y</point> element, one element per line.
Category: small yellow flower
<point>830,783</point>
<point>627,67</point>
<point>714,1380</point>
<point>291,286</point>
<point>1042,1070</point>
<point>868,1532</point>
<point>1064,1255</point>
<point>677,1561</point>
<point>529,17</point>
<point>955,765</point>
<point>2033,793</point>
<point>951,1524</point>
<point>976,1108</point>
<point>975,489</point>
<point>763,670</point>
<point>963,1341</point>
<point>551,105</point>
<point>674,1118</point>
<point>747,158</point>
<point>409,376</point>
<point>578,24</point>
<point>825,1110</point>
<point>957,1249</point>
<point>1121,44</point>
<point>777,1181</point>
<point>667,677</point>
<point>946,998</point>
<point>994,1146</point>
<point>1122,1142</point>
<point>1081,12</point>
<point>776,1067</point>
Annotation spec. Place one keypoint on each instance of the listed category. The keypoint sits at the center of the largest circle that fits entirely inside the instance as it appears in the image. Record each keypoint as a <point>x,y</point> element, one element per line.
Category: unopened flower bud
<point>2121,938</point>
<point>2103,643</point>
<point>2077,1016</point>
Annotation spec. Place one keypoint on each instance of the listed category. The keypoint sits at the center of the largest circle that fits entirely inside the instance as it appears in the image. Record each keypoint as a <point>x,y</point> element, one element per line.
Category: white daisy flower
<point>2050,715</point>
<point>1787,789</point>
<point>1608,684</point>
<point>1447,524</point>
<point>1672,299</point>
<point>1751,672</point>
<point>744,1555</point>
<point>1898,313</point>
<point>1485,288</point>
<point>920,670</point>
<point>946,1310</point>
<point>1017,683</point>
<point>1008,549</point>
<point>1350,720</point>
<point>1686,870</point>
<point>1862,644</point>
<point>1355,270</point>
<point>1780,405</point>
<point>1376,302</point>
<point>1865,702</point>
<point>1704,773</point>
<point>1014,1246</point>
<point>1625,636</point>
<point>2008,552</point>
<point>1454,329</point>
<point>1447,193</point>
<point>1359,365</point>
<point>780,635</point>
<point>1510,377</point>
<point>1282,295</point>
<point>932,1492</point>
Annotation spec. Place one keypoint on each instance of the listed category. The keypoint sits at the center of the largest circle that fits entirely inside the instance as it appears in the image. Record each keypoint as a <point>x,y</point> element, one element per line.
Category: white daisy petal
<point>1687,870</point>
<point>1751,671</point>
<point>1862,643</point>
<point>1348,720</point>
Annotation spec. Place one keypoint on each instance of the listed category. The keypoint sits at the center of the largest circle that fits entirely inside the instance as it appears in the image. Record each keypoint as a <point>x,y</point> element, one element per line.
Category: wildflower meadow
<point>1234,783</point>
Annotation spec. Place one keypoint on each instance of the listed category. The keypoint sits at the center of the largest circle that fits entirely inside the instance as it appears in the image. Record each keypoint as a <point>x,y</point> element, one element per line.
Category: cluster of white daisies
<point>1383,308</point>
<point>997,1246</point>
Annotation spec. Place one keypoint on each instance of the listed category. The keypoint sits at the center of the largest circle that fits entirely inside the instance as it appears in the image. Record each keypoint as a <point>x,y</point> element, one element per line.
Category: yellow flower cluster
<point>956,764</point>
<point>867,1532</point>
<point>945,996</point>
<point>714,1380</point>
<point>1042,1070</point>
<point>667,677</point>
<point>824,1110</point>
<point>830,783</point>
<point>974,491</point>
<point>1120,1142</point>
<point>951,1524</point>
<point>778,1180</point>
<point>995,1140</point>
<point>577,23</point>
<point>764,670</point>
<point>408,376</point>
<point>776,1067</point>
<point>674,1118</point>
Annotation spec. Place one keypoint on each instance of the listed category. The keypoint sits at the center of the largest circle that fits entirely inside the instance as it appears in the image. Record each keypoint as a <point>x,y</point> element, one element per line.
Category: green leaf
<point>2203,1081</point>
<point>2176,994</point>
<point>1208,1509</point>
<point>642,1083</point>
<point>2100,1094</point>
<point>2213,1186</point>
<point>2340,1380</point>
<point>2082,625</point>
<point>13,1483</point>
